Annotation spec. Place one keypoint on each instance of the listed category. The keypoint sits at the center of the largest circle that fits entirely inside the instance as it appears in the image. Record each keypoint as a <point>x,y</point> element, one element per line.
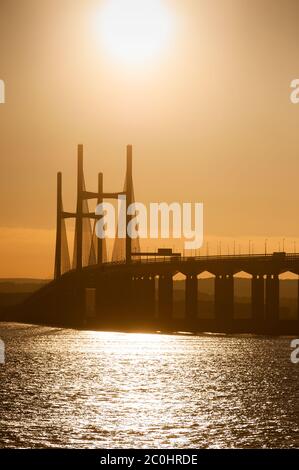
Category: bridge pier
<point>137,297</point>
<point>102,299</point>
<point>144,298</point>
<point>224,298</point>
<point>257,299</point>
<point>58,254</point>
<point>165,298</point>
<point>149,297</point>
<point>77,299</point>
<point>272,299</point>
<point>121,299</point>
<point>191,296</point>
<point>113,299</point>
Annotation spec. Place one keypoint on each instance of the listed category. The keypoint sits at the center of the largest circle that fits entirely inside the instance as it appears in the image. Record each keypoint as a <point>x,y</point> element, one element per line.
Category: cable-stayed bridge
<point>135,290</point>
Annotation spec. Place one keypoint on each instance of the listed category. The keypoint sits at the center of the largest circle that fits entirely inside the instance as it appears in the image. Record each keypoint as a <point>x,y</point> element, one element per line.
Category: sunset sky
<point>208,113</point>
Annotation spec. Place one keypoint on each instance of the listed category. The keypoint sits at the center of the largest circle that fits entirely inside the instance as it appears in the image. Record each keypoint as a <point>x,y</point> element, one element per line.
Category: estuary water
<point>84,389</point>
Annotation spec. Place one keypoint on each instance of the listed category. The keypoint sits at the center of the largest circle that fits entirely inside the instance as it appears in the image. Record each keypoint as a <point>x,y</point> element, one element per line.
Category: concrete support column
<point>100,201</point>
<point>148,297</point>
<point>99,297</point>
<point>102,298</point>
<point>70,304</point>
<point>78,301</point>
<point>191,297</point>
<point>224,297</point>
<point>257,298</point>
<point>143,298</point>
<point>218,293</point>
<point>128,294</point>
<point>111,299</point>
<point>137,296</point>
<point>165,299</point>
<point>79,212</point>
<point>116,301</point>
<point>272,299</point>
<point>122,298</point>
<point>57,268</point>
<point>61,307</point>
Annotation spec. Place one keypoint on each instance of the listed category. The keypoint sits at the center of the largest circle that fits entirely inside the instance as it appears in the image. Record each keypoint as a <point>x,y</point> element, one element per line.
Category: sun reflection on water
<point>94,389</point>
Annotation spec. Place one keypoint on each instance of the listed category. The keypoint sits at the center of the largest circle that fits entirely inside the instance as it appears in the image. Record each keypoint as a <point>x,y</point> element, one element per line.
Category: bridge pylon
<point>129,200</point>
<point>100,201</point>
<point>79,211</point>
<point>57,267</point>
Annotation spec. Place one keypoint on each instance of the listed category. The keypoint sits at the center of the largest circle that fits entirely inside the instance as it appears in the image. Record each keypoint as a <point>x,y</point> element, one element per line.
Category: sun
<point>135,30</point>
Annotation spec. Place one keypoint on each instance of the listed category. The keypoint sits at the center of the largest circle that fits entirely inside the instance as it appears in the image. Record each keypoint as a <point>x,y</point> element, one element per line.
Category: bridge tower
<point>62,257</point>
<point>57,268</point>
<point>129,200</point>
<point>100,201</point>
<point>79,211</point>
<point>257,300</point>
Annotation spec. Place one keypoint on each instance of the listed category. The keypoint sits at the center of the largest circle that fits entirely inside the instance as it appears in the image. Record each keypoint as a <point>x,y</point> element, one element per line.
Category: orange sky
<point>210,120</point>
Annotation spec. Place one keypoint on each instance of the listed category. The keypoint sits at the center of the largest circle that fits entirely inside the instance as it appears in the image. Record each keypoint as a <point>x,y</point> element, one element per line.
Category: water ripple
<point>66,388</point>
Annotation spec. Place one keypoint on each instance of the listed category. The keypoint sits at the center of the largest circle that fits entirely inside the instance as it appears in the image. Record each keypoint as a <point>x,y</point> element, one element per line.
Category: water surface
<point>83,389</point>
